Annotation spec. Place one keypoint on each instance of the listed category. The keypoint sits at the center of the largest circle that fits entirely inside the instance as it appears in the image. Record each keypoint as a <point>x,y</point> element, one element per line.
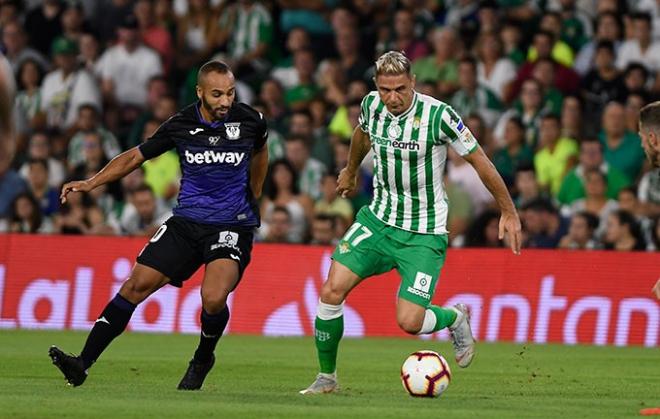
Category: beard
<point>216,113</point>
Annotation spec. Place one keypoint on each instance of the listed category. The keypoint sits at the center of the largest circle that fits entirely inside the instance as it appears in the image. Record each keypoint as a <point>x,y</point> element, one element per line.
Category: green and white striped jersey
<point>409,162</point>
<point>252,26</point>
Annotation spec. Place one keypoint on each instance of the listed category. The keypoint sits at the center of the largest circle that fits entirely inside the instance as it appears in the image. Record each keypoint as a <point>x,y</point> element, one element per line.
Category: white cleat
<point>461,336</point>
<point>324,383</point>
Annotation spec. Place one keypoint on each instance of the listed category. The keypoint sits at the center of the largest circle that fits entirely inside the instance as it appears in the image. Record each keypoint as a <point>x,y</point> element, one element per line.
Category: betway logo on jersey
<point>208,157</point>
<point>407,145</point>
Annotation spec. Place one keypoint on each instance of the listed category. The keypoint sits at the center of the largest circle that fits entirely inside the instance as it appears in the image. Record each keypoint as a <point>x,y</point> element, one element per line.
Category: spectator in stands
<point>330,203</point>
<point>572,121</point>
<point>47,196</point>
<point>11,185</point>
<point>623,232</point>
<point>285,73</point>
<point>461,173</point>
<point>595,201</point>
<point>73,21</point>
<point>603,84</point>
<point>26,216</point>
<point>90,51</point>
<point>272,97</point>
<point>161,173</point>
<point>94,157</point>
<point>543,226</point>
<point>16,49</point>
<point>511,37</point>
<point>556,155</point>
<point>323,230</point>
<point>622,148</point>
<point>544,72</point>
<point>160,106</point>
<point>352,62</point>
<point>89,120</point>
<point>299,96</point>
<point>608,28</point>
<point>649,192</point>
<point>633,105</point>
<point>97,222</point>
<point>282,190</point>
<point>441,66</point>
<point>126,68</point>
<point>473,97</point>
<point>494,70</point>
<point>67,87</point>
<point>144,214</point>
<point>635,78</point>
<point>628,201</point>
<point>654,243</point>
<point>526,186</point>
<point>44,24</point>
<point>27,100</point>
<point>516,153</point>
<point>641,48</point>
<point>561,52</point>
<point>581,232</point>
<point>310,170</point>
<point>39,149</point>
<point>590,158</point>
<point>280,224</point>
<point>300,125</point>
<point>247,28</point>
<point>153,35</point>
<point>484,231</point>
<point>404,38</point>
<point>529,110</point>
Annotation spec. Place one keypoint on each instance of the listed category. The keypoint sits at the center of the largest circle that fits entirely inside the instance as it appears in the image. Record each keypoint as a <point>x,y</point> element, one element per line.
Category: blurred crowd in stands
<point>550,88</point>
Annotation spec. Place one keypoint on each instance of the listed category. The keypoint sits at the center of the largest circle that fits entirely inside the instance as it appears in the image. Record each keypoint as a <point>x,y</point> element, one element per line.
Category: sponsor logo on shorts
<point>421,285</point>
<point>227,239</point>
<point>344,248</point>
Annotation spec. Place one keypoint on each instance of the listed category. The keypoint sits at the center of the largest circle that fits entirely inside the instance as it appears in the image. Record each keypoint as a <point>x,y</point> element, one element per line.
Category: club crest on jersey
<point>394,131</point>
<point>233,130</point>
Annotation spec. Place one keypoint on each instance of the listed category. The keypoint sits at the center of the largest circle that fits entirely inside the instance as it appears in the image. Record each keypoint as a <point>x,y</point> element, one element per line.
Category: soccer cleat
<point>195,375</point>
<point>71,366</point>
<point>324,383</point>
<point>461,336</point>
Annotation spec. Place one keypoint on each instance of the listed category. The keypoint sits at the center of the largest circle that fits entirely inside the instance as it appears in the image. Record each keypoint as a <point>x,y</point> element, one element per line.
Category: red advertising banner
<point>602,298</point>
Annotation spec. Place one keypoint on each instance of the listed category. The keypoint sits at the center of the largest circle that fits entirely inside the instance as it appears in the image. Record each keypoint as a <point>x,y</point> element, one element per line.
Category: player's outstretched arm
<point>360,145</point>
<point>258,170</point>
<point>117,168</point>
<point>509,221</point>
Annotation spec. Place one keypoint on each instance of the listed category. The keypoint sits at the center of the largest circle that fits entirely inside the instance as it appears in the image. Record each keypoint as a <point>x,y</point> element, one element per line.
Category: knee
<point>410,323</point>
<point>136,289</point>
<point>214,301</point>
<point>331,293</point>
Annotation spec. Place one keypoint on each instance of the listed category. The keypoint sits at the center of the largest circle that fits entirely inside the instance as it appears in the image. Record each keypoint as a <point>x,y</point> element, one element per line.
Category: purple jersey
<point>215,163</point>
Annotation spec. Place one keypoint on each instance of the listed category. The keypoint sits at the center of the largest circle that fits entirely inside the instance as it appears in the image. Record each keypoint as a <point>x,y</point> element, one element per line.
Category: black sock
<point>110,324</point>
<point>212,327</point>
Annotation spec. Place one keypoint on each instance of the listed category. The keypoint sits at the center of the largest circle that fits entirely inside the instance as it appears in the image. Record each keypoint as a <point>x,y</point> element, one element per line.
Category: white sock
<point>429,323</point>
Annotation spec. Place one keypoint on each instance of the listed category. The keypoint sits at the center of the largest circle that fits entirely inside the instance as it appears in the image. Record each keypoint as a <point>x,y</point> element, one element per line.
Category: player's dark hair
<point>271,190</point>
<point>214,66</point>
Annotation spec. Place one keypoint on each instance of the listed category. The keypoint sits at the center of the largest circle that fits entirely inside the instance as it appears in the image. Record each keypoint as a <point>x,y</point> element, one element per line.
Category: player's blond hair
<point>393,63</point>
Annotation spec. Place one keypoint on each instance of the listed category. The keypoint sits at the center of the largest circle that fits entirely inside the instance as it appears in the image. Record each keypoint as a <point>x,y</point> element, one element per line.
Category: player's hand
<point>346,183</point>
<point>510,224</point>
<point>656,289</point>
<point>75,186</point>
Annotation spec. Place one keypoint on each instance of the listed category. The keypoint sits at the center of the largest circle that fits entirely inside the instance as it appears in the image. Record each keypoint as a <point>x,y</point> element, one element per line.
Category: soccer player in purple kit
<point>223,158</point>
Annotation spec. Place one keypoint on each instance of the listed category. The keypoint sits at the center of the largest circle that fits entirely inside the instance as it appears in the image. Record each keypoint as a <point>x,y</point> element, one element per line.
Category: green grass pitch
<point>259,377</point>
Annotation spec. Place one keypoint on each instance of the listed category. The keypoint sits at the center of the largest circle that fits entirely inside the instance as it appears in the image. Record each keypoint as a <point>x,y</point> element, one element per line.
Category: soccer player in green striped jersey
<point>404,228</point>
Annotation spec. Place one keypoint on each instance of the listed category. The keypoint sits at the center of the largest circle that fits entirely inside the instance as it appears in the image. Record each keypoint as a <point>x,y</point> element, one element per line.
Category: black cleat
<point>196,374</point>
<point>71,366</point>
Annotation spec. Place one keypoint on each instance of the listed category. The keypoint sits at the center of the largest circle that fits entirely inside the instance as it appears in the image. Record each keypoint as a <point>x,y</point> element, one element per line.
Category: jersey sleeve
<point>451,129</point>
<point>363,119</point>
<point>262,133</point>
<point>160,142</point>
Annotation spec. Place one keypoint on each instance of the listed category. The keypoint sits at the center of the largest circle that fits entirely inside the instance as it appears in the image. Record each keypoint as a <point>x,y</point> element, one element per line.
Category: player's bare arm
<point>258,170</point>
<point>117,168</point>
<point>509,221</point>
<point>360,145</point>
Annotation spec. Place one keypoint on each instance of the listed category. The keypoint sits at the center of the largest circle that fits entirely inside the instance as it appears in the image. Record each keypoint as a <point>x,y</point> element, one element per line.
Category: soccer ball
<point>425,374</point>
